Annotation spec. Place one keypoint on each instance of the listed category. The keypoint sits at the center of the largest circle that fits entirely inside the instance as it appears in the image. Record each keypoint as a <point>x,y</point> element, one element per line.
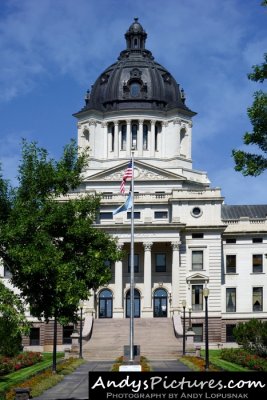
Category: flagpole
<point>132,270</point>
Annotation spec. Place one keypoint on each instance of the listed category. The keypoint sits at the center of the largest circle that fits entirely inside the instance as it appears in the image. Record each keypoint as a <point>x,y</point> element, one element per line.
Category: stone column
<point>118,300</point>
<point>147,275</point>
<point>152,138</point>
<point>104,126</point>
<point>128,138</point>
<point>116,139</point>
<point>140,137</point>
<point>175,275</point>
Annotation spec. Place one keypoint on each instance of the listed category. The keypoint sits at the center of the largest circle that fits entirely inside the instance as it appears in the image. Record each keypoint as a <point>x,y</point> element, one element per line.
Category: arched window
<point>160,303</point>
<point>135,89</point>
<point>145,137</point>
<point>86,134</point>
<point>105,304</point>
<point>136,304</point>
<point>123,137</point>
<point>134,136</point>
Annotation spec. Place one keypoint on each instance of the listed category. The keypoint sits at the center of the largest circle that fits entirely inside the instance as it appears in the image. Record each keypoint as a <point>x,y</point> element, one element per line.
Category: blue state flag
<point>128,204</point>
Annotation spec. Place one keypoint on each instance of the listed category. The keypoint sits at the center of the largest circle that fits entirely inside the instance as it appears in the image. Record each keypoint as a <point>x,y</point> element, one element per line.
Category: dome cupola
<point>136,81</point>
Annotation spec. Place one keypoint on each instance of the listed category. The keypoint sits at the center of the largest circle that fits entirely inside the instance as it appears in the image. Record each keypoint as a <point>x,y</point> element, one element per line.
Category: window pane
<point>123,137</point>
<point>136,263</point>
<point>231,263</point>
<point>161,214</point>
<point>231,299</point>
<point>197,297</point>
<point>34,336</point>
<point>229,333</point>
<point>257,262</point>
<point>145,137</point>
<point>67,332</point>
<point>106,215</point>
<point>137,215</point>
<point>257,298</point>
<point>134,136</point>
<point>198,329</point>
<point>161,262</point>
<point>197,260</point>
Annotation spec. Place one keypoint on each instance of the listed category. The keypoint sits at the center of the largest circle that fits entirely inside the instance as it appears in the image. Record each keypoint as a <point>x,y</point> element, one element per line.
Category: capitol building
<point>186,238</point>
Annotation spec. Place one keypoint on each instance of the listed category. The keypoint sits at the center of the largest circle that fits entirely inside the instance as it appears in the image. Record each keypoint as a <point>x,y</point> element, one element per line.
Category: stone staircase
<point>154,335</point>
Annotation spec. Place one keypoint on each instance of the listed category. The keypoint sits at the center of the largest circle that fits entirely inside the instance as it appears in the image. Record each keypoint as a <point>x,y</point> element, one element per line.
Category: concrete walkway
<point>75,385</point>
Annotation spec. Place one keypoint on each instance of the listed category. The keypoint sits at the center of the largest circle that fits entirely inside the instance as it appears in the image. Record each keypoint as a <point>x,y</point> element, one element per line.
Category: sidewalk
<point>75,385</point>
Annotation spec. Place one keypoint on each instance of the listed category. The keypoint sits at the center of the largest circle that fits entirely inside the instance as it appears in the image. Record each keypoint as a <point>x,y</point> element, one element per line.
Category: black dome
<point>135,81</point>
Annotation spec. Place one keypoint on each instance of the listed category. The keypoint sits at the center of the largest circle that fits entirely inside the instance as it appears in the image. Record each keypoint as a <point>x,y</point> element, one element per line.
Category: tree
<point>255,163</point>
<point>48,239</point>
<point>13,322</point>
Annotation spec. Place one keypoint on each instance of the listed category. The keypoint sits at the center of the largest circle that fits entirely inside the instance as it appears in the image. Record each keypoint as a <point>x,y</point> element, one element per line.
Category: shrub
<point>252,336</point>
<point>245,358</point>
<point>8,364</point>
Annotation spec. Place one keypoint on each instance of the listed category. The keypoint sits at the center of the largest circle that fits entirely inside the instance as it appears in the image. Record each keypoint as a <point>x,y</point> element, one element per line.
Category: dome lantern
<point>135,36</point>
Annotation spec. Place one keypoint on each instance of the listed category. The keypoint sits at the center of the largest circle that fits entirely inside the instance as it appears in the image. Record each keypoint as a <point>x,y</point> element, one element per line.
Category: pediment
<point>142,172</point>
<point>197,277</point>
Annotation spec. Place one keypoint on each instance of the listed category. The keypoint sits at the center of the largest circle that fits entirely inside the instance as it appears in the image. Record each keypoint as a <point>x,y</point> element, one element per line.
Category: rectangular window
<point>137,215</point>
<point>106,215</point>
<point>160,262</point>
<point>231,240</point>
<point>136,263</point>
<point>160,214</point>
<point>257,263</point>
<point>197,235</point>
<point>229,333</point>
<point>257,298</point>
<point>230,263</point>
<point>256,240</point>
<point>197,260</point>
<point>34,336</point>
<point>197,297</point>
<point>67,332</point>
<point>230,299</point>
<point>198,329</point>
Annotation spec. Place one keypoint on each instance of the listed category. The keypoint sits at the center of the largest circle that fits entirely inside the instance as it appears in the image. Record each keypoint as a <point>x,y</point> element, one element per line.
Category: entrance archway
<point>160,303</point>
<point>136,304</point>
<point>105,304</point>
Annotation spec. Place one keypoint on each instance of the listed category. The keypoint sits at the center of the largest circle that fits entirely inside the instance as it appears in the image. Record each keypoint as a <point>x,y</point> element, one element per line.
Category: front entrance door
<point>105,304</point>
<point>160,303</point>
<point>136,304</point>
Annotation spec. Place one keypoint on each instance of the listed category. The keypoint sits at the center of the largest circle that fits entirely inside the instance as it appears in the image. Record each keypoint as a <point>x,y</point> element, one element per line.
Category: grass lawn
<point>216,363</point>
<point>214,357</point>
<point>14,378</point>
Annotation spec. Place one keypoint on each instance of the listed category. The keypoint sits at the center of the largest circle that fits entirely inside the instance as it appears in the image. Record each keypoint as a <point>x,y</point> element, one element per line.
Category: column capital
<point>153,122</point>
<point>128,121</point>
<point>141,121</point>
<point>175,245</point>
<point>177,121</point>
<point>116,123</point>
<point>147,245</point>
<point>104,124</point>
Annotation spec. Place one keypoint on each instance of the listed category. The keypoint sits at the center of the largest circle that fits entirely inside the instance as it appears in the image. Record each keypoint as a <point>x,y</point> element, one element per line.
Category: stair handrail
<point>87,327</point>
<point>177,325</point>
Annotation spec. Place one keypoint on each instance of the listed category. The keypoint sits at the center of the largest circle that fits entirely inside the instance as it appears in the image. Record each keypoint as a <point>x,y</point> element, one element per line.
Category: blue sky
<point>52,51</point>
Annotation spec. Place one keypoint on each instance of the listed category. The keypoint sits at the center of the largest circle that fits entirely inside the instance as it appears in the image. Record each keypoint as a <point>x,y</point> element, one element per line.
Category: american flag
<point>128,174</point>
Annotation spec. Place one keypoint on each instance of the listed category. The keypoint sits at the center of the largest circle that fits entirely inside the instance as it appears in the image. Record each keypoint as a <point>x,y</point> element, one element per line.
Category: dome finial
<point>135,36</point>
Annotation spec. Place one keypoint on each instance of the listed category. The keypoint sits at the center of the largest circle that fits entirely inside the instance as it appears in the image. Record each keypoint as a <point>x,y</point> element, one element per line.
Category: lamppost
<point>190,322</point>
<point>183,305</point>
<point>206,295</point>
<point>81,330</point>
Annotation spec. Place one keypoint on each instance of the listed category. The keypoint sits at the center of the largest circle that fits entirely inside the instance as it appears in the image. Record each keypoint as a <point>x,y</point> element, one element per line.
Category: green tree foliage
<point>255,163</point>
<point>12,322</point>
<point>252,335</point>
<point>55,253</point>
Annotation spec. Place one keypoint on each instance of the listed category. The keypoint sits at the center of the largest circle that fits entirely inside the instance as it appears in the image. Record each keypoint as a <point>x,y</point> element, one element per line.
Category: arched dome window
<point>135,88</point>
